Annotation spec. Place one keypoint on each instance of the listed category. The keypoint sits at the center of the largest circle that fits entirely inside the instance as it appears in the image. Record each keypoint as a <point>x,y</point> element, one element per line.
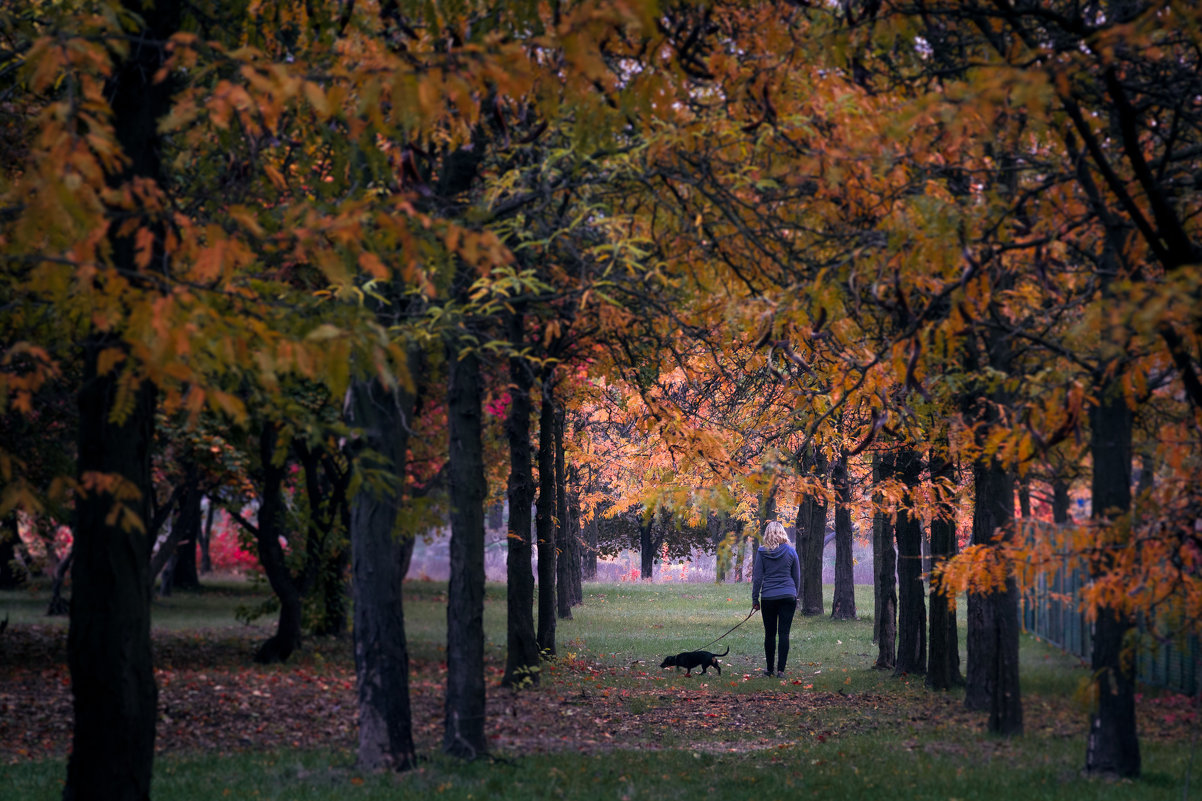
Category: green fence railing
<point>1050,613</point>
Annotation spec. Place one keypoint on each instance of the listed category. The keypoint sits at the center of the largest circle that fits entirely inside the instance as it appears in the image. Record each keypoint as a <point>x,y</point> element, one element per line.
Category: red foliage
<point>226,550</point>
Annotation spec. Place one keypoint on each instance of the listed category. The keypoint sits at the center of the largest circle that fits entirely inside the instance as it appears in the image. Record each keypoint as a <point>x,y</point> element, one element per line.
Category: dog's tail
<point>724,653</point>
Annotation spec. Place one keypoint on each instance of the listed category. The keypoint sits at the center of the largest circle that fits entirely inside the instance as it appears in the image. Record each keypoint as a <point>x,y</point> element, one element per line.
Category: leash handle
<point>732,628</point>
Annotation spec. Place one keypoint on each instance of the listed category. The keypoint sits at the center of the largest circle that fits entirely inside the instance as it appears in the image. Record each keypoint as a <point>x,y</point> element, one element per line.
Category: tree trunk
<point>721,548</point>
<point>911,594</point>
<point>646,547</point>
<point>10,576</point>
<point>333,587</point>
<point>1061,502</point>
<point>463,734</point>
<point>268,529</point>
<point>741,546</point>
<point>943,666</point>
<point>588,565</point>
<point>843,607</point>
<point>323,579</point>
<point>108,642</point>
<point>887,578</point>
<point>814,544</point>
<point>206,538</point>
<point>879,522</point>
<point>1113,745</point>
<point>108,639</point>
<point>379,559</point>
<point>496,516</point>
<point>521,659</point>
<point>992,681</point>
<point>187,524</point>
<point>563,548</point>
<point>545,522</point>
<point>575,546</point>
<point>58,605</point>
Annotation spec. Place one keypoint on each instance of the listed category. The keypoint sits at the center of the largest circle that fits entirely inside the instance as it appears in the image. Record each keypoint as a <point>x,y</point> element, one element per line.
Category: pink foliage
<point>498,405</point>
<point>227,553</point>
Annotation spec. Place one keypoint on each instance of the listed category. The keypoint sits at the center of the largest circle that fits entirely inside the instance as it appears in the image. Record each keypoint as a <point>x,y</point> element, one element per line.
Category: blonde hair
<point>774,535</point>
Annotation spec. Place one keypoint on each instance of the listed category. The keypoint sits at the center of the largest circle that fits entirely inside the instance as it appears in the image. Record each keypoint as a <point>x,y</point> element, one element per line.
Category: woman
<point>776,582</point>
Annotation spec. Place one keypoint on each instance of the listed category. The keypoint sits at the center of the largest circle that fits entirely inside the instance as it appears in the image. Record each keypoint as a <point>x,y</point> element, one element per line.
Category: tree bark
<point>1113,744</point>
<point>992,681</point>
<point>887,579</point>
<point>10,576</point>
<point>327,480</point>
<point>108,642</point>
<point>575,545</point>
<point>463,734</point>
<point>521,659</point>
<point>544,520</point>
<point>843,607</point>
<point>108,639</point>
<point>267,531</point>
<point>588,562</point>
<point>943,665</point>
<point>563,548</point>
<point>741,554</point>
<point>814,545</point>
<point>206,538</point>
<point>379,561</point>
<point>911,594</point>
<point>647,547</point>
<point>879,524</point>
<point>188,518</point>
<point>722,547</point>
<point>58,605</point>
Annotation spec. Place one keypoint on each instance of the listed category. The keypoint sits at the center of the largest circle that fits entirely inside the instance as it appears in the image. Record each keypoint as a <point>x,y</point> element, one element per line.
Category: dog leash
<point>732,628</point>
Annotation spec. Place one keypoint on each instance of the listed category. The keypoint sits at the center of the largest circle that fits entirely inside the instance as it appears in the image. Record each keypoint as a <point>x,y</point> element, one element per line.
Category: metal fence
<point>1050,613</point>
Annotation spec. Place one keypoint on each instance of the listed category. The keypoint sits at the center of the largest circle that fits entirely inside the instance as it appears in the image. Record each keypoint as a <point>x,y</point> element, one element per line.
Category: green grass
<point>832,771</point>
<point>624,630</point>
<point>211,607</point>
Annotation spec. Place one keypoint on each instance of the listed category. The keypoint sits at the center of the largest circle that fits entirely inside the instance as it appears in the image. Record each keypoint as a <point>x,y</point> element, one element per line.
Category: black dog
<point>691,659</point>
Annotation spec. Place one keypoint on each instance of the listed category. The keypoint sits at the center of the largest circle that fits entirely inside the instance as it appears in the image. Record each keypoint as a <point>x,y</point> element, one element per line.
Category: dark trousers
<point>778,619</point>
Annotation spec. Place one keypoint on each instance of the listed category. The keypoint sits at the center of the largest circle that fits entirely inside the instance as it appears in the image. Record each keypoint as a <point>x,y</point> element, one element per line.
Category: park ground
<point>604,721</point>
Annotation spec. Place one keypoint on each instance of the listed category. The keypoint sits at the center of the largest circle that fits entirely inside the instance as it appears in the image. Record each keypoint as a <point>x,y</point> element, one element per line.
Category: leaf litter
<point>213,699</point>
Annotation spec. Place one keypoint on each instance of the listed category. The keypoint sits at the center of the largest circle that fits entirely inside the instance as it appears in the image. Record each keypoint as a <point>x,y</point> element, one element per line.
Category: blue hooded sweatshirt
<point>777,573</point>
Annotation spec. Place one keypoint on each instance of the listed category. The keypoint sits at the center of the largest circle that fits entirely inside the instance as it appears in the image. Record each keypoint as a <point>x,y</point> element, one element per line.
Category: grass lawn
<point>605,723</point>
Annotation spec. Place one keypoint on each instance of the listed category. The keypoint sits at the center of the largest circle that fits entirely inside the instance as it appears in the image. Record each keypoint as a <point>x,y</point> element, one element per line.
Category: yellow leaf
<point>275,176</point>
<point>317,99</point>
<point>108,359</point>
<point>371,264</point>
